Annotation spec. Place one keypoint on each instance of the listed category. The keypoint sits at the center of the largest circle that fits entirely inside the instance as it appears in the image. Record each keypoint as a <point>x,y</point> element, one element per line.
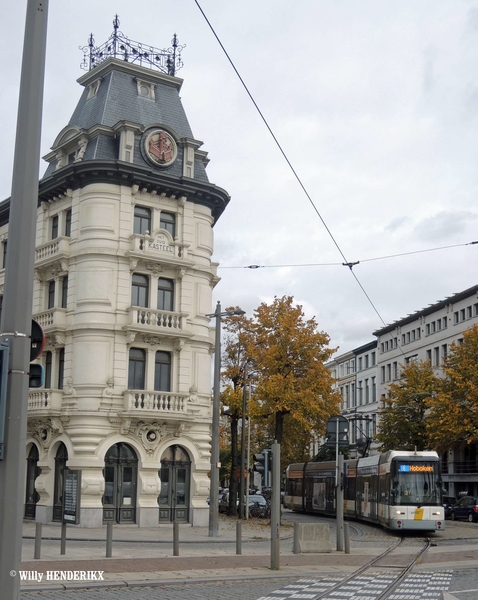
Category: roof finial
<point>119,46</point>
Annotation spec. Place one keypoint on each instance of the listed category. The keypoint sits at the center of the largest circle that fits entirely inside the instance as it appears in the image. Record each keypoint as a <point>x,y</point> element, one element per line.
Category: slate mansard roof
<point>110,104</point>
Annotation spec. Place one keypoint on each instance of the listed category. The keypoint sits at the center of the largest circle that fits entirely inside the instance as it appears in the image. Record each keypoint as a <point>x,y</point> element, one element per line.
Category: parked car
<point>466,508</point>
<point>224,502</point>
<point>255,501</point>
<point>448,502</point>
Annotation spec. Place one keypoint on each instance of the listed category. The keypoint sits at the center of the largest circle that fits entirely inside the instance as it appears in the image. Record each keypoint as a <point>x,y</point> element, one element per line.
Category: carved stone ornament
<point>178,345</point>
<point>44,430</point>
<point>130,338</point>
<point>54,340</point>
<point>152,340</point>
<point>134,190</point>
<point>150,434</point>
<point>125,426</point>
<point>68,389</point>
<point>58,268</point>
<point>193,394</point>
<point>155,268</point>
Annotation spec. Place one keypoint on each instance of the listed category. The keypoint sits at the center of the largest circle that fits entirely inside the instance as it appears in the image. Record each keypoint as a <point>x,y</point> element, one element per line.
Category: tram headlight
<point>399,512</point>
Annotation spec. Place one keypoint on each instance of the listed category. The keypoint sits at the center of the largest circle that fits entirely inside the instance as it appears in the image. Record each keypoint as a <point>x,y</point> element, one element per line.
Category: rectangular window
<point>476,310</point>
<point>374,424</point>
<point>162,372</point>
<point>462,314</point>
<point>51,294</point>
<point>436,352</point>
<point>444,351</point>
<point>360,364</point>
<point>444,323</point>
<point>4,254</point>
<point>428,328</point>
<point>68,223</point>
<point>389,372</point>
<point>142,220</point>
<point>382,374</point>
<point>403,339</point>
<point>395,370</point>
<point>136,369</point>
<point>61,368</point>
<point>165,294</point>
<point>352,393</point>
<point>374,390</point>
<point>419,333</point>
<point>469,312</point>
<point>367,392</point>
<point>64,292</point>
<point>360,393</point>
<point>456,318</point>
<point>366,361</point>
<point>48,365</point>
<point>347,396</point>
<point>168,221</point>
<point>429,355</point>
<point>140,290</point>
<point>373,359</point>
<point>54,227</point>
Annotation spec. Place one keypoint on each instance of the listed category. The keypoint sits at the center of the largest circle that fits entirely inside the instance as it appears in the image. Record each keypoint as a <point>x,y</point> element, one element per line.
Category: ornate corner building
<point>123,282</point>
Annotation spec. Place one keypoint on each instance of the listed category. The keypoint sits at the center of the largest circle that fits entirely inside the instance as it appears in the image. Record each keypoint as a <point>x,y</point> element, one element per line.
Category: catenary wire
<point>346,262</point>
<point>335,264</point>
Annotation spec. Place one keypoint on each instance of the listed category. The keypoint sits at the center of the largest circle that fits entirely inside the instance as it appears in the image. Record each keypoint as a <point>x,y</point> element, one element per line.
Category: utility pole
<point>18,296</point>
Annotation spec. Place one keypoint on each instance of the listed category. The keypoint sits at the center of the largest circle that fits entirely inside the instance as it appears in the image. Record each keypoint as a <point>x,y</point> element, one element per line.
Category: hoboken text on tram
<point>415,468</point>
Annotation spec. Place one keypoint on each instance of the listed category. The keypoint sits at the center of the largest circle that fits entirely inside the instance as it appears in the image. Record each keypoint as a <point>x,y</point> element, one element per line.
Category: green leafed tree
<point>453,418</point>
<point>403,418</point>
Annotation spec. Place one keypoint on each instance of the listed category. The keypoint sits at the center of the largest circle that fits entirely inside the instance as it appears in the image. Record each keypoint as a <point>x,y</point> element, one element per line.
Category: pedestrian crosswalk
<point>417,586</point>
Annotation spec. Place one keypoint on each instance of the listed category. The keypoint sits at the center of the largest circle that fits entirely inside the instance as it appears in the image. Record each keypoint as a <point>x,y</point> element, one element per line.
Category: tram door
<point>31,495</point>
<point>174,475</point>
<point>121,473</point>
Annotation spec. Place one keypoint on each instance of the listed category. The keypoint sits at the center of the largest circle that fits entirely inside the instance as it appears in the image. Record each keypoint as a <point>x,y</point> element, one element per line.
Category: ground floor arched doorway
<point>31,495</point>
<point>121,475</point>
<point>175,475</point>
<point>60,468</point>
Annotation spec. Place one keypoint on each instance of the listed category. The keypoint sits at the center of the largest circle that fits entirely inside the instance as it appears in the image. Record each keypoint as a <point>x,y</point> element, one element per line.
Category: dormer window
<point>145,89</point>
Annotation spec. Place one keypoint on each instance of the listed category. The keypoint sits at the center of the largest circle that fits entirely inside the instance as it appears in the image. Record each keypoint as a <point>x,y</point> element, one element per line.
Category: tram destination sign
<point>71,496</point>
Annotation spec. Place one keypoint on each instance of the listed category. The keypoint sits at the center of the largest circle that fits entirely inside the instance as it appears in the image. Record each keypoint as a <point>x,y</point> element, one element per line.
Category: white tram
<point>399,490</point>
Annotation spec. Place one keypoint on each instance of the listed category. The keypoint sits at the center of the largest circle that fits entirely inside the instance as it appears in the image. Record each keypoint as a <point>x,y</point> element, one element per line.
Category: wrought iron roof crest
<point>119,46</point>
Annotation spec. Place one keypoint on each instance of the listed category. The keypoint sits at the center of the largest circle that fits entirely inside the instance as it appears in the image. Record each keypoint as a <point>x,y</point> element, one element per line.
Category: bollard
<point>295,545</point>
<point>37,540</point>
<point>109,539</point>
<point>63,539</point>
<point>347,538</point>
<point>239,537</point>
<point>175,538</point>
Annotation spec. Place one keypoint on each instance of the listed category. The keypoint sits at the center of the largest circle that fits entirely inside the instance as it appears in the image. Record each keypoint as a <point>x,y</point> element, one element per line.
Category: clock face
<point>160,148</point>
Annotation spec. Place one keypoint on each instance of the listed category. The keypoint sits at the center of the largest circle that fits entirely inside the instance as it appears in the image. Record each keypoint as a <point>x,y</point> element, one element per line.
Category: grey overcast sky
<point>376,106</point>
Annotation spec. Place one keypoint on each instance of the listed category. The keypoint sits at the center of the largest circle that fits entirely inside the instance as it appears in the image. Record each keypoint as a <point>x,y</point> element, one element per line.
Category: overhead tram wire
<point>346,262</point>
<point>335,264</point>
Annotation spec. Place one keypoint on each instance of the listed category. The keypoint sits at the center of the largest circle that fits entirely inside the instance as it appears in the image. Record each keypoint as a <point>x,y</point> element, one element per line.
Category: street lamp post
<point>216,409</point>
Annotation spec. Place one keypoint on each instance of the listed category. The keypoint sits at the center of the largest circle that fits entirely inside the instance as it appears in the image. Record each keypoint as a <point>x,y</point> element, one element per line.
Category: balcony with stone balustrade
<point>157,322</point>
<point>50,320</point>
<point>167,405</point>
<point>44,402</point>
<point>54,250</point>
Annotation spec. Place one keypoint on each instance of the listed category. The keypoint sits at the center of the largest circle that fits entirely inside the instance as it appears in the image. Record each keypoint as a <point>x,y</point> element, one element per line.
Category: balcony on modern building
<point>50,320</point>
<point>44,402</point>
<point>460,471</point>
<point>52,251</point>
<point>158,322</point>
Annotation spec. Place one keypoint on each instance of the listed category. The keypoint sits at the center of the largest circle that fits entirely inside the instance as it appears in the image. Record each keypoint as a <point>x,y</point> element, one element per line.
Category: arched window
<point>165,294</point>
<point>162,372</point>
<point>140,290</point>
<point>136,369</point>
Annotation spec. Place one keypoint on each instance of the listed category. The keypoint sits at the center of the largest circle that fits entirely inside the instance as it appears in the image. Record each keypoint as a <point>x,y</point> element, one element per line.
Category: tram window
<point>416,483</point>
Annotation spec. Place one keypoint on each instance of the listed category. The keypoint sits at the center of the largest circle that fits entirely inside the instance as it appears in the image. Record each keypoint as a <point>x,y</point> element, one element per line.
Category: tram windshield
<point>416,483</point>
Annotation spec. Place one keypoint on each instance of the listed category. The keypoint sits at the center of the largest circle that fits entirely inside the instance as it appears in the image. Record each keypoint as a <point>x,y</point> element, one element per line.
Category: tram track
<point>401,570</point>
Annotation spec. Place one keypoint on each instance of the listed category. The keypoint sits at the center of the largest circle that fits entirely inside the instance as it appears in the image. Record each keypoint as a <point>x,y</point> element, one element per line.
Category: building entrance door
<point>32,496</point>
<point>175,474</point>
<point>121,473</point>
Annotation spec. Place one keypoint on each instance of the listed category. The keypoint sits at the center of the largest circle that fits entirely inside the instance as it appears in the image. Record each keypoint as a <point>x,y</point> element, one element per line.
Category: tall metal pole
<point>18,294</point>
<point>275,507</point>
<point>242,508</point>
<point>216,407</point>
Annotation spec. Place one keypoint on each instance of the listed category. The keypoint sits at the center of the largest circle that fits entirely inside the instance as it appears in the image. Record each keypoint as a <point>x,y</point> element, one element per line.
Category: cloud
<point>444,226</point>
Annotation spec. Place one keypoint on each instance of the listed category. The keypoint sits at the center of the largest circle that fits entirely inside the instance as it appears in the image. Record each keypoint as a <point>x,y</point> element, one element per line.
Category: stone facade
<point>123,283</point>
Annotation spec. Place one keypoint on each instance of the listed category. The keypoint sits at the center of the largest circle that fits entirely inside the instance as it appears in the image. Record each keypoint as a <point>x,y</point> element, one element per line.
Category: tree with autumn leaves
<point>284,355</point>
<point>432,412</point>
<point>453,417</point>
